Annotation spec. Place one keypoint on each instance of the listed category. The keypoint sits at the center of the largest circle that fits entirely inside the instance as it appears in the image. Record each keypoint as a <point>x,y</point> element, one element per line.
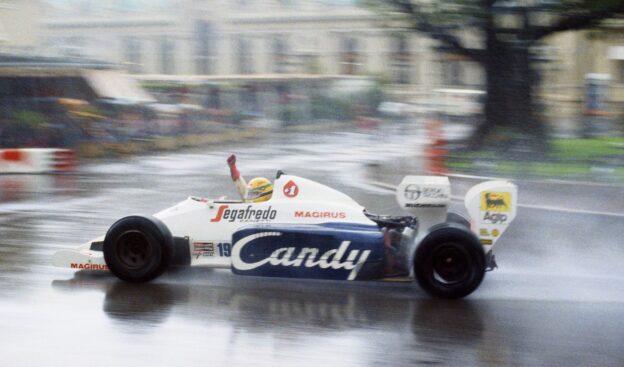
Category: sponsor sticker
<point>88,266</point>
<point>291,189</point>
<point>320,214</point>
<point>495,218</point>
<point>410,205</point>
<point>415,193</point>
<point>412,192</point>
<point>203,249</point>
<point>343,257</point>
<point>434,193</point>
<point>499,202</point>
<point>210,249</point>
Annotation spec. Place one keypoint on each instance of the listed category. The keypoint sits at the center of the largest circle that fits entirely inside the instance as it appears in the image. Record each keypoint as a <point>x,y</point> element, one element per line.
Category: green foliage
<point>569,158</point>
<point>586,149</point>
<point>457,14</point>
<point>370,98</point>
<point>28,119</point>
<point>584,5</point>
<point>156,86</point>
<point>453,14</point>
<point>327,108</point>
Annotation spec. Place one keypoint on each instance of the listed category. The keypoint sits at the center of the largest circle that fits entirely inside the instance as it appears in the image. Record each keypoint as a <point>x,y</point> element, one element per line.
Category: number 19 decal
<point>225,249</point>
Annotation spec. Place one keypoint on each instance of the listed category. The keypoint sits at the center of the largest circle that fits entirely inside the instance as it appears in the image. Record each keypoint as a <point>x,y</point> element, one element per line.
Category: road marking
<point>392,188</point>
<point>383,185</point>
<point>549,181</point>
<point>572,211</point>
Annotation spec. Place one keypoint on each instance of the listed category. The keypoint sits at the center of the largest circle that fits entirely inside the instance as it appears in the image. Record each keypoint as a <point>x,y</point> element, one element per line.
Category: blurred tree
<point>506,34</point>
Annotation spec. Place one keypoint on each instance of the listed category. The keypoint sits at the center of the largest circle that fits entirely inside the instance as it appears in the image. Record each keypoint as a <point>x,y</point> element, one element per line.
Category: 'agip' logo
<point>495,201</point>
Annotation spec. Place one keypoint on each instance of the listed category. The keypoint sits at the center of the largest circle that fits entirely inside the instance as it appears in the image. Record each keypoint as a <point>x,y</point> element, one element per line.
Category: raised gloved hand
<point>234,173</point>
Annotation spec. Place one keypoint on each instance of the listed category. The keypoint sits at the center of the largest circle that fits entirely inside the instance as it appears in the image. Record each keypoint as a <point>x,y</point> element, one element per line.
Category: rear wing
<point>492,207</point>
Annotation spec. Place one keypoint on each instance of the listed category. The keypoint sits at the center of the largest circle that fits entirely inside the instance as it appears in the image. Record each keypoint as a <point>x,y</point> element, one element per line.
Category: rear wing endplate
<point>492,207</point>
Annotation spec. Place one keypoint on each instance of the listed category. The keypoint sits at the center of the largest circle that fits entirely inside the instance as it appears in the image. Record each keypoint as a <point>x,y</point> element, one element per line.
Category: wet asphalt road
<point>556,300</point>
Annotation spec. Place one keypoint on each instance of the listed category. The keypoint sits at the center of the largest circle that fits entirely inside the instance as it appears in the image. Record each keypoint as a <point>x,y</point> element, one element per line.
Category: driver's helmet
<point>258,190</point>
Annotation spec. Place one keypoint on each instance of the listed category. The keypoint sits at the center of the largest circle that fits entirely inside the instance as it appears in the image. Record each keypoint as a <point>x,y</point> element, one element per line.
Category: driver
<point>256,191</point>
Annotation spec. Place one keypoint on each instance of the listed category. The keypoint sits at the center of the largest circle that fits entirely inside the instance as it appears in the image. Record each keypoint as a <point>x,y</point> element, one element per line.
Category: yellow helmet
<point>258,190</point>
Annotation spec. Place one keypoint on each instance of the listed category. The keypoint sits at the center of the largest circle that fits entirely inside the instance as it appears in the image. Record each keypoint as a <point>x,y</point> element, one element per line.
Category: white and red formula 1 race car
<point>309,230</point>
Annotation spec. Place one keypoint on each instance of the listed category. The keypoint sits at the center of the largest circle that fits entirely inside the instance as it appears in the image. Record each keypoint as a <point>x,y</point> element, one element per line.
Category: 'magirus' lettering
<point>308,257</point>
<point>88,266</point>
<point>321,215</point>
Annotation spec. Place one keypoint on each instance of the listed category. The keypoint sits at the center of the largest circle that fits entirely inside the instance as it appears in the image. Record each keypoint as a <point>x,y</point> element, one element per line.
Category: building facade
<point>583,76</point>
<point>231,37</point>
<point>20,27</point>
<point>328,37</point>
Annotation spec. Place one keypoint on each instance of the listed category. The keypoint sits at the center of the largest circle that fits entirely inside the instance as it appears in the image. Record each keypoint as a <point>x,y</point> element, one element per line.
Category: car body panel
<point>326,251</point>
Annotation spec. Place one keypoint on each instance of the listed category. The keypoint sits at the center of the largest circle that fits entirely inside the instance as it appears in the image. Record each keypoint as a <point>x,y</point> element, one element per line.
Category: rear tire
<point>138,249</point>
<point>450,262</point>
<point>452,217</point>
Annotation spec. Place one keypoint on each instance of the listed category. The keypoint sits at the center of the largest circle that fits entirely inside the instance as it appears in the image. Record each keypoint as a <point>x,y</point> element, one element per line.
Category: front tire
<point>138,249</point>
<point>450,262</point>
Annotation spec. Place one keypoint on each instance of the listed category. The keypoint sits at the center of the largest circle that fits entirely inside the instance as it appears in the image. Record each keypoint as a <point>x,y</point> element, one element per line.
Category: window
<point>401,60</point>
<point>204,47</point>
<point>453,69</point>
<point>167,56</point>
<point>244,55</point>
<point>132,55</point>
<point>349,56</point>
<point>280,54</point>
<point>249,99</point>
<point>455,73</point>
<point>75,46</point>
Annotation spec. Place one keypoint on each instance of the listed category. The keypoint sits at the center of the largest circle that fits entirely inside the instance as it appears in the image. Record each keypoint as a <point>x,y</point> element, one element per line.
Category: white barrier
<point>37,160</point>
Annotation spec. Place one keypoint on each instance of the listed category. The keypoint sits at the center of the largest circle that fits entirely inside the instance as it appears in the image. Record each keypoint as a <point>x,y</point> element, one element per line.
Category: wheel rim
<point>133,249</point>
<point>451,264</point>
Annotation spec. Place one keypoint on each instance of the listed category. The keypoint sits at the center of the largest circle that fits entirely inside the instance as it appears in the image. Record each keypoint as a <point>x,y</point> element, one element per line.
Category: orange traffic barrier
<point>435,152</point>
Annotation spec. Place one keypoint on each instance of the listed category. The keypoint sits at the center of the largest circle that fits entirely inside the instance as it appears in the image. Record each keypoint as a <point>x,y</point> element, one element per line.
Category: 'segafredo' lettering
<point>321,215</point>
<point>244,215</point>
<point>88,266</point>
<point>307,257</point>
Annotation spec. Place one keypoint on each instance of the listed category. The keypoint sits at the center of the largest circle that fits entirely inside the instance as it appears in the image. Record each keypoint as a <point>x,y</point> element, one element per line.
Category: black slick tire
<point>449,262</point>
<point>452,217</point>
<point>138,249</point>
